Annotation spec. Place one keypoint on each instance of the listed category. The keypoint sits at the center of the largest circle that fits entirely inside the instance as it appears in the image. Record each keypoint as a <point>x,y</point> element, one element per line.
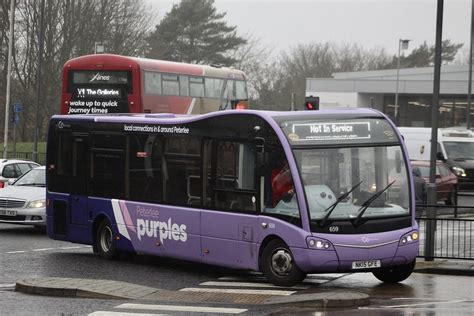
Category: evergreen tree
<point>194,32</point>
<point>423,56</point>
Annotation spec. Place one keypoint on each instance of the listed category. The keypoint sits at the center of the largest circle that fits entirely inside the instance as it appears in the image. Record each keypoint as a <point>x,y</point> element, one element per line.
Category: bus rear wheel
<point>105,243</point>
<point>279,266</point>
<point>394,274</point>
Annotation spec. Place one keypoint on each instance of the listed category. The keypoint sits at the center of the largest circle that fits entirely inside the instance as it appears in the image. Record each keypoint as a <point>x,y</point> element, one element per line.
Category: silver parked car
<point>14,168</point>
<point>24,201</point>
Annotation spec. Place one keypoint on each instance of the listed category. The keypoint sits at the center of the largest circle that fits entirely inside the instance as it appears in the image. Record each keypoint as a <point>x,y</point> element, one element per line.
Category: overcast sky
<point>371,23</point>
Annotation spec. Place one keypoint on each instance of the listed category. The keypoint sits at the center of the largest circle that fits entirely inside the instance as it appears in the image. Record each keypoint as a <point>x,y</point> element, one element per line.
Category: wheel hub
<point>282,262</point>
<point>106,239</point>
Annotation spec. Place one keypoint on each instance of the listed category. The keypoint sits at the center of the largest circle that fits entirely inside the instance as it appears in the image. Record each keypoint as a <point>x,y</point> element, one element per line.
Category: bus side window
<point>241,90</point>
<point>170,84</point>
<point>107,166</point>
<point>234,183</point>
<point>152,82</point>
<point>196,86</point>
<point>213,87</point>
<point>183,85</point>
<point>280,194</point>
<point>65,154</point>
<point>183,171</point>
<point>144,169</point>
<point>71,171</point>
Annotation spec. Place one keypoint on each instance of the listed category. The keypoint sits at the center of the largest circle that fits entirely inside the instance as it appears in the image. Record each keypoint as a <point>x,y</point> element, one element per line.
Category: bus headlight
<point>409,238</point>
<point>460,172</point>
<point>36,204</point>
<point>317,243</point>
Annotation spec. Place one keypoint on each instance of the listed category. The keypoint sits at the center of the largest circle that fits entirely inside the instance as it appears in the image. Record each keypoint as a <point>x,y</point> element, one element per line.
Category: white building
<point>415,93</point>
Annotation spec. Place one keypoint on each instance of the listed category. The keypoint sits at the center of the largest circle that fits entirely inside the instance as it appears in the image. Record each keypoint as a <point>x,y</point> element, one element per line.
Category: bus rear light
<point>320,244</point>
<point>241,106</point>
<point>2,184</point>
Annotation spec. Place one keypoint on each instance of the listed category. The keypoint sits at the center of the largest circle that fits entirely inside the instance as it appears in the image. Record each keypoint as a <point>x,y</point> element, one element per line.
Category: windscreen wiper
<point>367,203</point>
<point>332,207</point>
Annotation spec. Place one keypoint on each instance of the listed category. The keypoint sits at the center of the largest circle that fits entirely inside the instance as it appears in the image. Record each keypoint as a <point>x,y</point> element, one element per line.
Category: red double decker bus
<point>106,83</point>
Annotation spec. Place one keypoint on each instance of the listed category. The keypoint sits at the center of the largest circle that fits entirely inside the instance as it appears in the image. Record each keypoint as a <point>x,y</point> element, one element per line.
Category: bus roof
<point>278,116</point>
<point>119,62</point>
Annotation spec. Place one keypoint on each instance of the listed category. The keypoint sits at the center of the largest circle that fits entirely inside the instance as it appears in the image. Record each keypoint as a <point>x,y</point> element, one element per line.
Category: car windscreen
<point>459,150</point>
<point>34,177</point>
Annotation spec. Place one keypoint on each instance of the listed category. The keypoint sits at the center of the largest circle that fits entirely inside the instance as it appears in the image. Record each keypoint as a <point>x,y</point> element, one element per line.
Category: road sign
<point>17,118</point>
<point>17,107</point>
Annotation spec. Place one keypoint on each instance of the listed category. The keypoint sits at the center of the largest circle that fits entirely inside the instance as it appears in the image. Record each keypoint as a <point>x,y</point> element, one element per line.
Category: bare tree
<point>71,27</point>
<point>320,60</point>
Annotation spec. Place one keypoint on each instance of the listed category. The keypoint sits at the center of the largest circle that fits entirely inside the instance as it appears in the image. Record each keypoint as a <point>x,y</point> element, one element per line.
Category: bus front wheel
<point>394,274</point>
<point>279,266</point>
<point>105,241</point>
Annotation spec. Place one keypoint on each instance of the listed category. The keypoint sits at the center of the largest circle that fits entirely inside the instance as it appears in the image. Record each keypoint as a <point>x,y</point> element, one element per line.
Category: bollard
<point>431,222</point>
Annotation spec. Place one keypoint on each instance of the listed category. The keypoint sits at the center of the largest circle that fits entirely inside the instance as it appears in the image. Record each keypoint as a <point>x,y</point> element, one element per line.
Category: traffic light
<point>311,103</point>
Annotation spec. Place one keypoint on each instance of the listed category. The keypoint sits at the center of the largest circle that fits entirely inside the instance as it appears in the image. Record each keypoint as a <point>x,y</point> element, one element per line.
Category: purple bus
<point>284,193</point>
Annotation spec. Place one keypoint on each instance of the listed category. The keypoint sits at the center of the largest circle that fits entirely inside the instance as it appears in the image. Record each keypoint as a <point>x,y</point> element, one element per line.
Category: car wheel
<point>278,265</point>
<point>105,243</point>
<point>394,274</point>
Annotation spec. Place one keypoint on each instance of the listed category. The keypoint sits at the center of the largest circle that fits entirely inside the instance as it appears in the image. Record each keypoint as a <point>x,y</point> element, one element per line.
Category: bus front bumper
<point>341,259</point>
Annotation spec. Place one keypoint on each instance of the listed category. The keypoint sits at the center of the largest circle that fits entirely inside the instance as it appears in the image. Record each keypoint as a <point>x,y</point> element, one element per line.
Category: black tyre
<point>105,242</point>
<point>394,274</point>
<point>278,265</point>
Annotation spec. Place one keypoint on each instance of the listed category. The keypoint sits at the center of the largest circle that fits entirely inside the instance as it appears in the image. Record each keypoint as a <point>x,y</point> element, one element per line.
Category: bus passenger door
<point>78,179</point>
<point>229,217</point>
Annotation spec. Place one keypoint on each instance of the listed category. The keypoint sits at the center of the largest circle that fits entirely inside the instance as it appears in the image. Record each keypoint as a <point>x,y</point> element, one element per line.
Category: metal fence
<point>453,238</point>
<point>447,236</point>
<point>26,155</point>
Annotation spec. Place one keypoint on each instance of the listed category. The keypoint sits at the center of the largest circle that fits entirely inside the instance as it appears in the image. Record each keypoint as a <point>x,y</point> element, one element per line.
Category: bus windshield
<point>354,183</point>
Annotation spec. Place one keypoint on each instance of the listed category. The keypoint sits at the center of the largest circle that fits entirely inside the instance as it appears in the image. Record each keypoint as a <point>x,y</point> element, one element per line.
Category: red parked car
<point>446,180</point>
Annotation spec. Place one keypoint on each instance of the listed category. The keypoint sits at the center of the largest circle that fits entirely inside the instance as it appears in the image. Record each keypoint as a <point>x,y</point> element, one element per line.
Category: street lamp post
<point>38,82</point>
<point>402,44</point>
<point>469,82</point>
<point>99,48</point>
<point>9,71</point>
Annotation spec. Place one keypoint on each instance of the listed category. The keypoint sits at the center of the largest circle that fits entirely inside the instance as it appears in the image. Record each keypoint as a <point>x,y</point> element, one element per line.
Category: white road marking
<point>325,276</point>
<point>235,291</point>
<point>251,284</point>
<point>424,304</point>
<point>413,298</point>
<point>43,249</point>
<point>419,306</point>
<point>105,313</point>
<point>244,278</point>
<point>47,249</point>
<point>177,308</point>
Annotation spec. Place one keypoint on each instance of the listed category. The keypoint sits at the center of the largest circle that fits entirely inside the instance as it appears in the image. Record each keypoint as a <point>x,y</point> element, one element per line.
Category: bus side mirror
<point>440,156</point>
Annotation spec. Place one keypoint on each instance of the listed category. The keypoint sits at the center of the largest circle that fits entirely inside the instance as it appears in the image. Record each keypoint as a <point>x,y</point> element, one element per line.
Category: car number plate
<point>7,212</point>
<point>368,264</point>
